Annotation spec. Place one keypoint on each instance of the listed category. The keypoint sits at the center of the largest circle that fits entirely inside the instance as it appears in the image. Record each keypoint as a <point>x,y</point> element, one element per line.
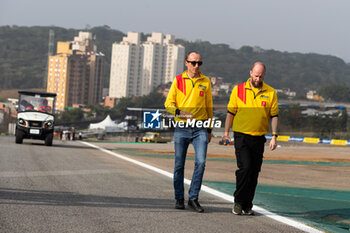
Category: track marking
<point>285,220</point>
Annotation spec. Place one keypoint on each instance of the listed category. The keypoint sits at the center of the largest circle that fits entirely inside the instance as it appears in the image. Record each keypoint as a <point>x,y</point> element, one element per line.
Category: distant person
<point>190,98</point>
<point>25,105</point>
<point>61,134</point>
<point>44,106</point>
<point>252,104</point>
<point>80,136</point>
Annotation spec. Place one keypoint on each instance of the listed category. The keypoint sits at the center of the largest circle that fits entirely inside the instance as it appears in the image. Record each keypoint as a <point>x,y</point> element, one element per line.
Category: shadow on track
<point>52,198</point>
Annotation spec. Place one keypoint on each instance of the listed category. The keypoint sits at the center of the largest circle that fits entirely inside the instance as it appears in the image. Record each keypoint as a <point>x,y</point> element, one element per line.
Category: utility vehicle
<point>36,116</point>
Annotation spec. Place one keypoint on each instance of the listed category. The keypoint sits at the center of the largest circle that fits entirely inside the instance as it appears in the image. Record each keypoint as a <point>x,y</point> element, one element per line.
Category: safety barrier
<point>283,138</point>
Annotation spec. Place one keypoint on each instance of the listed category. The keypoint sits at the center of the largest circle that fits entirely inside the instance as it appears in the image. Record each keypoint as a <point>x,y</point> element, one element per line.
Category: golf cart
<point>36,116</point>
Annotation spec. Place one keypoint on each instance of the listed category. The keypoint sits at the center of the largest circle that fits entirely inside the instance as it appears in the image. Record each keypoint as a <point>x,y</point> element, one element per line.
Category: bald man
<point>252,105</point>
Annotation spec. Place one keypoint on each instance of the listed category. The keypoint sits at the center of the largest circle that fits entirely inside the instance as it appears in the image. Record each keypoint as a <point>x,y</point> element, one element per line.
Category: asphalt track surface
<point>301,182</point>
<point>308,190</point>
<point>72,187</point>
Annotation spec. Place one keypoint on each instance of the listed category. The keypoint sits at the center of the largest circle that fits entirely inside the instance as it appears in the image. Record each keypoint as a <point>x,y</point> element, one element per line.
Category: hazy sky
<point>318,26</point>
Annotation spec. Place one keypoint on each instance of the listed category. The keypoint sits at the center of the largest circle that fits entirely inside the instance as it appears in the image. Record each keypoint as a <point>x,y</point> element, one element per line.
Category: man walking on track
<point>252,104</point>
<point>190,100</point>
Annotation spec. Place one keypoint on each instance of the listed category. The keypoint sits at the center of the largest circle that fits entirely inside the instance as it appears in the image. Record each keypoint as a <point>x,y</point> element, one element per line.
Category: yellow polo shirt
<point>190,95</point>
<point>252,108</point>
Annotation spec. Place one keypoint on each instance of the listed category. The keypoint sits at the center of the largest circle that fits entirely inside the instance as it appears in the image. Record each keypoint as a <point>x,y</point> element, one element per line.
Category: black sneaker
<point>194,204</point>
<point>248,212</point>
<point>180,203</point>
<point>237,209</point>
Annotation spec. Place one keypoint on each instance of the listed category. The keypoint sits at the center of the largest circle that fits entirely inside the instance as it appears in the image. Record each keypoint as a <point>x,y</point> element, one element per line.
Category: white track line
<point>288,221</point>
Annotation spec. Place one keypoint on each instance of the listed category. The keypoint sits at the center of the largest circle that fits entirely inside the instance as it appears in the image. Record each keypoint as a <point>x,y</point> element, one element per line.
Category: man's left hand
<point>273,143</point>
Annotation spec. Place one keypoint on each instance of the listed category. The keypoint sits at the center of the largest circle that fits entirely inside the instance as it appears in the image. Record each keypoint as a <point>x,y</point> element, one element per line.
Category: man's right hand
<point>226,140</point>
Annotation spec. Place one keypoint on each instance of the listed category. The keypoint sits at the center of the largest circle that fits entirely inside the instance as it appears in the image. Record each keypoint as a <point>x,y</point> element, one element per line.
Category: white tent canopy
<point>108,125</point>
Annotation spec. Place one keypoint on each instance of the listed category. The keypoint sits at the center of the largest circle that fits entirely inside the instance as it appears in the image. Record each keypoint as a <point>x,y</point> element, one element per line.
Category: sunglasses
<point>195,62</point>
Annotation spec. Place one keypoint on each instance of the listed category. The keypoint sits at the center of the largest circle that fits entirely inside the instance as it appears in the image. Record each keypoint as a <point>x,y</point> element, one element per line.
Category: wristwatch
<point>275,134</point>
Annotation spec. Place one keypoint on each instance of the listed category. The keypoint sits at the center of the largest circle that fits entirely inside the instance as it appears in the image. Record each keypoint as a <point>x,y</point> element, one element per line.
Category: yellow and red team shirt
<point>252,108</point>
<point>190,95</point>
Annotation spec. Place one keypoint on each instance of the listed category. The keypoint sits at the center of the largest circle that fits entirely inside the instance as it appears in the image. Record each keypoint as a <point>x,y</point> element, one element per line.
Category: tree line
<point>321,126</point>
<point>23,58</point>
<point>99,112</point>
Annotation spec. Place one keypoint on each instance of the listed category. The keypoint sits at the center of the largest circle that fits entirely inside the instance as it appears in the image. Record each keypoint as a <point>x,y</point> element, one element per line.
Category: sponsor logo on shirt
<point>200,86</point>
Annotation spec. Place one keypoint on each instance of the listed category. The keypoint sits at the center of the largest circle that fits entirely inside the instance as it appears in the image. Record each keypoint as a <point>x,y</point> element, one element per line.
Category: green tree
<point>120,111</point>
<point>23,59</point>
<point>70,116</point>
<point>342,121</point>
<point>100,111</point>
<point>152,100</point>
<point>291,118</point>
<point>282,96</point>
<point>340,93</point>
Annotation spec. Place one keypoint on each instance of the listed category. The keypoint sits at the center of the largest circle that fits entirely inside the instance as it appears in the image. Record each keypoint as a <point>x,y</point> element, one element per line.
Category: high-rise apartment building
<point>126,71</point>
<point>138,68</point>
<point>75,72</point>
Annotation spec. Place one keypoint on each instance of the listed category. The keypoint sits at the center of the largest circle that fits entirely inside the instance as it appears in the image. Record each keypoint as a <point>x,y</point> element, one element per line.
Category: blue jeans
<point>182,138</point>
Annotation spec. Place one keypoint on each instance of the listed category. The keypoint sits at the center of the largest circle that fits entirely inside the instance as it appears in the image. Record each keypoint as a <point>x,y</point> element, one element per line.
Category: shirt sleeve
<point>170,102</point>
<point>232,104</point>
<point>209,105</point>
<point>274,106</point>
<point>209,102</point>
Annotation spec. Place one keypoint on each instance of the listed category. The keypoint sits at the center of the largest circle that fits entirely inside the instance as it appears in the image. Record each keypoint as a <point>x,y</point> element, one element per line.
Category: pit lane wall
<point>338,142</point>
